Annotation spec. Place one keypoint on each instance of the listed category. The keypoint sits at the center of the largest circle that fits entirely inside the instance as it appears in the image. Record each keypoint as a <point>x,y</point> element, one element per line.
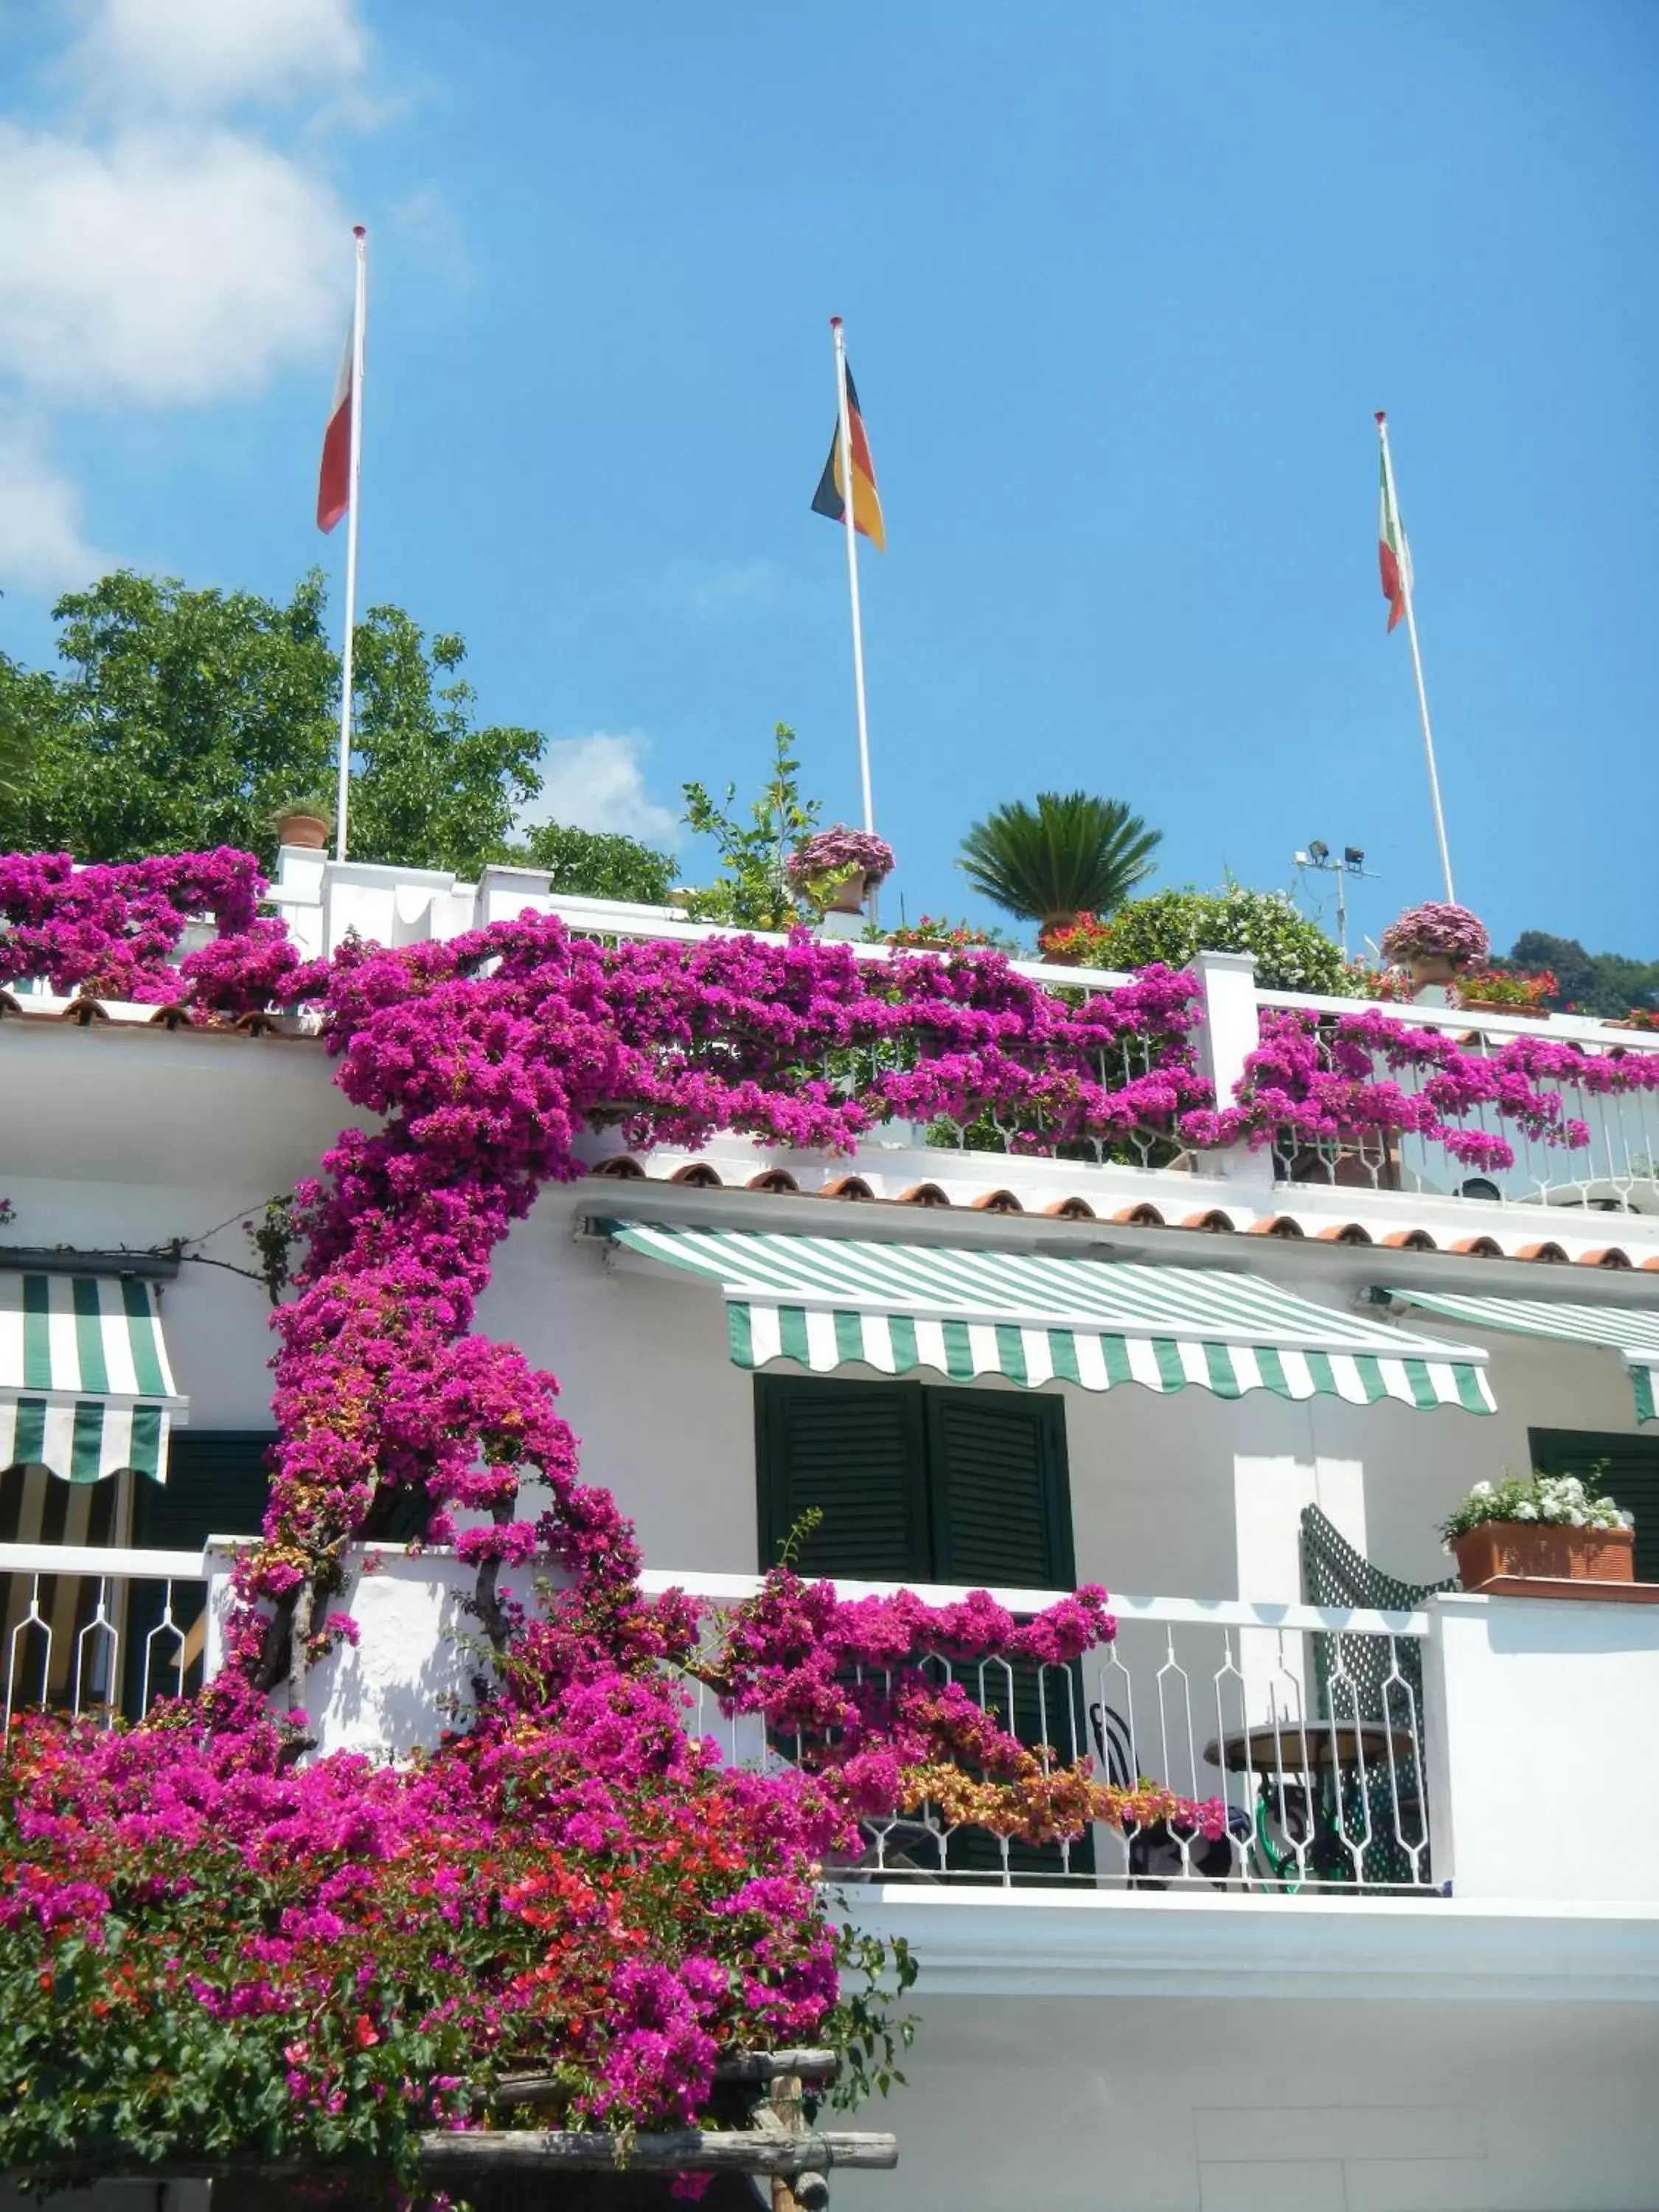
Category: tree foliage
<point>1592,982</point>
<point>1292,953</point>
<point>752,890</point>
<point>1070,855</point>
<point>599,863</point>
<point>183,720</point>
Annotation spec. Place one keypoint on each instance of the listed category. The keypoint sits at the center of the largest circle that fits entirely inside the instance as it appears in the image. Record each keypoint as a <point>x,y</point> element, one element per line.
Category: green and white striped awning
<point>825,1302</point>
<point>85,1387</point>
<point>1631,1331</point>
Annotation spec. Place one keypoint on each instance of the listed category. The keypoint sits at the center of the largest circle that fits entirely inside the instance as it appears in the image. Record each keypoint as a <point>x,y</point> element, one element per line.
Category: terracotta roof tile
<point>924,1194</point>
<point>1139,1216</point>
<point>1215,1221</point>
<point>1609,1255</point>
<point>1410,1240</point>
<point>1069,1209</point>
<point>1549,1253</point>
<point>1479,1247</point>
<point>620,1168</point>
<point>847,1186</point>
<point>83,1010</point>
<point>778,1181</point>
<point>8,1005</point>
<point>1275,1224</point>
<point>998,1201</point>
<point>697,1175</point>
<point>1347,1232</point>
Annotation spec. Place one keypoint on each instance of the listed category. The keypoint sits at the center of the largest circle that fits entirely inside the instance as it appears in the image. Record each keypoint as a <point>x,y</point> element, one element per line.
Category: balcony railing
<point>1617,1171</point>
<point>1304,1723</point>
<point>99,1631</point>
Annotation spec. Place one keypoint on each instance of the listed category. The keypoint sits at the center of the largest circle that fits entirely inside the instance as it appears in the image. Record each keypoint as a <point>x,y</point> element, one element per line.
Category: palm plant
<point>1072,854</point>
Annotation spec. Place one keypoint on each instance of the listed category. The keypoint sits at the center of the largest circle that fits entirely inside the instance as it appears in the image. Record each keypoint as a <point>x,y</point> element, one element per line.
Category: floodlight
<point>1353,856</point>
<point>1319,849</point>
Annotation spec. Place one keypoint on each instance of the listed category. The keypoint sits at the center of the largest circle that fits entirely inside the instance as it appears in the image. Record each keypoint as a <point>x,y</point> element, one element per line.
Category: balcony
<point>1335,1752</point>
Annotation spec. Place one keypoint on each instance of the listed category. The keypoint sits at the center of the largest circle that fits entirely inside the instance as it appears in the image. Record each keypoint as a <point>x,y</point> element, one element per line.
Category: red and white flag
<point>1393,555</point>
<point>334,477</point>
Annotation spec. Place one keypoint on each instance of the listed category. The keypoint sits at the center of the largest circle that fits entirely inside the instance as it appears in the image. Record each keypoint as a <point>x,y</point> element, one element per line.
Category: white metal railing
<point>1617,1171</point>
<point>74,1613</point>
<point>1305,1722</point>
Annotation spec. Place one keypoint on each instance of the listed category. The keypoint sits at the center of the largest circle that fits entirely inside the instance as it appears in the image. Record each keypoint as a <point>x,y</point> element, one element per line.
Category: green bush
<point>1292,953</point>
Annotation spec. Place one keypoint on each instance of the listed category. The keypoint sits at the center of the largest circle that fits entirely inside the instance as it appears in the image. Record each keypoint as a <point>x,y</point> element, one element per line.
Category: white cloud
<point>200,55</point>
<point>164,268</point>
<point>597,782</point>
<point>712,593</point>
<point>41,547</point>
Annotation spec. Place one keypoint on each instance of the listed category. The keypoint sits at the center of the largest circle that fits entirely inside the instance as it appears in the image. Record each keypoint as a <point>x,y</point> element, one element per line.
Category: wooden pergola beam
<point>684,2150</point>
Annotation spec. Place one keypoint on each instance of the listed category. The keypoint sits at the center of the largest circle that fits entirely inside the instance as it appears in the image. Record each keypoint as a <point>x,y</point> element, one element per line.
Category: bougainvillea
<point>1316,1079</point>
<point>207,1945</point>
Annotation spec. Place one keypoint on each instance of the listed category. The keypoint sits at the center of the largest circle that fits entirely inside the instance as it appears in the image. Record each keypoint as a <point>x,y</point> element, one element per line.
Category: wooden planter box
<point>1534,1550</point>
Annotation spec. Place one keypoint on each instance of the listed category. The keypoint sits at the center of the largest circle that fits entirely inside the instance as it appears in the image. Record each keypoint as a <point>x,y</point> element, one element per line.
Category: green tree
<point>1070,855</point>
<point>1292,953</point>
<point>598,863</point>
<point>752,891</point>
<point>1593,983</point>
<point>24,706</point>
<point>185,719</point>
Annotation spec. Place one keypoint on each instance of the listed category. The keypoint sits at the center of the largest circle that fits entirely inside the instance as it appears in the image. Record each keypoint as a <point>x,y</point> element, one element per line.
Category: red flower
<point>365,2033</point>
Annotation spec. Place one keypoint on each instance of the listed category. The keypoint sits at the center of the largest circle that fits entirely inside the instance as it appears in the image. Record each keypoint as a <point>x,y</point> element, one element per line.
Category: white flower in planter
<point>1526,1510</point>
<point>1481,1489</point>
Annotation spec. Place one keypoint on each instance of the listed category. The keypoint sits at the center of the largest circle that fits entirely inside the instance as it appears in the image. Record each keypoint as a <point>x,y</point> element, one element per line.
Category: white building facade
<point>1424,1972</point>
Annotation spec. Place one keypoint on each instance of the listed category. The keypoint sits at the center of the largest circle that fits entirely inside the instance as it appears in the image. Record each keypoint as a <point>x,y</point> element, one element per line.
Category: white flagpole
<point>1417,660</point>
<point>845,418</point>
<point>354,473</point>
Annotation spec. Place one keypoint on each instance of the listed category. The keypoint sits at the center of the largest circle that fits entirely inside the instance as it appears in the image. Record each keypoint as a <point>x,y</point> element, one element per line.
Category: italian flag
<point>1393,553</point>
<point>334,477</point>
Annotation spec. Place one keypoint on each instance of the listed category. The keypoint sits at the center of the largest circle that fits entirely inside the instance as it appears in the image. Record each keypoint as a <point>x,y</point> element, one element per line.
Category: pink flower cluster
<point>1436,926</point>
<point>1316,1078</point>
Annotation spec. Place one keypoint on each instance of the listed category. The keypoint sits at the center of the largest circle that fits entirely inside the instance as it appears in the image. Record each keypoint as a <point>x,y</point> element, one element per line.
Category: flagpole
<point>353,472</point>
<point>844,414</point>
<point>1417,660</point>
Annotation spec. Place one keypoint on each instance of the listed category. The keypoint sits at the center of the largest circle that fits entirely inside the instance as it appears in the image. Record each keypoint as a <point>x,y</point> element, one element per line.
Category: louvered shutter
<point>1001,1514</point>
<point>216,1485</point>
<point>853,1451</point>
<point>997,1490</point>
<point>1625,1468</point>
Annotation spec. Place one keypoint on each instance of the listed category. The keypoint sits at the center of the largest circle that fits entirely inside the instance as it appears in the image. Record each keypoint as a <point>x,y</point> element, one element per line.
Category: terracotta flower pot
<point>1503,1006</point>
<point>1538,1551</point>
<point>1432,968</point>
<point>306,830</point>
<point>848,897</point>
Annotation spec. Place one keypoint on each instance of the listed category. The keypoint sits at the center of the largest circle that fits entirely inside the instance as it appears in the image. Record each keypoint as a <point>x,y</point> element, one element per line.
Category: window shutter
<point>1630,1476</point>
<point>1002,1511</point>
<point>216,1485</point>
<point>854,1452</point>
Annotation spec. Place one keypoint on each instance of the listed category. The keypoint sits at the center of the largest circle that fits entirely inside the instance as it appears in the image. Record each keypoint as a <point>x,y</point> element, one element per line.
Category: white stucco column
<point>1229,1031</point>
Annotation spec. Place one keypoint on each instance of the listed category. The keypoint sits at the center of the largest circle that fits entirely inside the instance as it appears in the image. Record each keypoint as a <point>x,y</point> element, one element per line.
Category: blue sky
<point>1122,283</point>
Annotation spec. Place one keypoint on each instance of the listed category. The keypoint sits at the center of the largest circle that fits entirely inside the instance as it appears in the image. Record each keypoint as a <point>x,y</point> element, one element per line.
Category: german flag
<point>830,496</point>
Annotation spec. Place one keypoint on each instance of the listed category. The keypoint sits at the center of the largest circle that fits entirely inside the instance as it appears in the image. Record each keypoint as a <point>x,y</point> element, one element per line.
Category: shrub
<point>1292,953</point>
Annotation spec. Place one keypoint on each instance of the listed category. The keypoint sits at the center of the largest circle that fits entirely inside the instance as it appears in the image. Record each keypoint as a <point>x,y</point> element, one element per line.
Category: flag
<point>830,496</point>
<point>1393,555</point>
<point>334,477</point>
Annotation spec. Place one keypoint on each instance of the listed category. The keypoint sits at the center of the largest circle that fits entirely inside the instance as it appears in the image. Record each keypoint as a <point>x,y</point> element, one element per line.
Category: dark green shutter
<point>996,1472</point>
<point>1630,1476</point>
<point>216,1485</point>
<point>853,1451</point>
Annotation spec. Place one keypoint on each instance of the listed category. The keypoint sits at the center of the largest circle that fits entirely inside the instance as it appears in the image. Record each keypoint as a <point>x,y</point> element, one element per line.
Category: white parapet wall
<point>1542,1721</point>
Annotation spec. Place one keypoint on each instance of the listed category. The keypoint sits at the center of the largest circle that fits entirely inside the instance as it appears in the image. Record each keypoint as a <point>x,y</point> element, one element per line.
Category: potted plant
<point>836,868</point>
<point>1435,941</point>
<point>1497,991</point>
<point>1079,943</point>
<point>1545,1527</point>
<point>305,823</point>
<point>935,933</point>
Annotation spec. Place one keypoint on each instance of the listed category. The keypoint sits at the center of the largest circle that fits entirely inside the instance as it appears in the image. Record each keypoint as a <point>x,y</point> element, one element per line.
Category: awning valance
<point>825,1302</point>
<point>1631,1331</point>
<point>85,1387</point>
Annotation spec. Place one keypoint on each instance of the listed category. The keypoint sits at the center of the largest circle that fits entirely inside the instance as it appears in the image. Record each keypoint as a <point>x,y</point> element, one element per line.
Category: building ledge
<point>1084,1943</point>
